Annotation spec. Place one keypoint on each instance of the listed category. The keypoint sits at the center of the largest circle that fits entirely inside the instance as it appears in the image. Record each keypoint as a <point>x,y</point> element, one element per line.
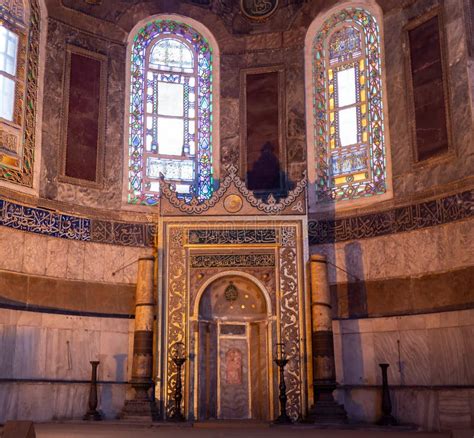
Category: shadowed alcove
<point>233,353</point>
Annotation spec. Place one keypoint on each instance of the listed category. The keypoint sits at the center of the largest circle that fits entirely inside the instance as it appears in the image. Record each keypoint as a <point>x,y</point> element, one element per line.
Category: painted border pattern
<point>54,224</point>
<point>412,217</point>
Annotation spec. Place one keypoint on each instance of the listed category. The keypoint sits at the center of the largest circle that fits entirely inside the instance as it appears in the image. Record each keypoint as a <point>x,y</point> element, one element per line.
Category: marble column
<point>142,406</point>
<point>325,408</point>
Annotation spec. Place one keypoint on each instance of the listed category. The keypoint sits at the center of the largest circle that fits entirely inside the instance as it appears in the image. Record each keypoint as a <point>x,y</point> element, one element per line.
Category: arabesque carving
<point>272,206</point>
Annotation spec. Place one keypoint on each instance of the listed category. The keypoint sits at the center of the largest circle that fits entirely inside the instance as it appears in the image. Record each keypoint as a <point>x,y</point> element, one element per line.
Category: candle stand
<point>92,414</point>
<point>179,358</point>
<point>281,361</point>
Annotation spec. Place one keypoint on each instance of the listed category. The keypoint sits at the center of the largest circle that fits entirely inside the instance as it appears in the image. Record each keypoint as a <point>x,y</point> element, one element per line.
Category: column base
<point>387,420</point>
<point>326,409</point>
<point>92,416</point>
<point>327,412</point>
<point>139,410</point>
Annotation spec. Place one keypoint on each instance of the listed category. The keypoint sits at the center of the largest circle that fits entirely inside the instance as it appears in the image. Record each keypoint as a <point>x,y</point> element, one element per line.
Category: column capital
<point>318,258</point>
<point>147,258</point>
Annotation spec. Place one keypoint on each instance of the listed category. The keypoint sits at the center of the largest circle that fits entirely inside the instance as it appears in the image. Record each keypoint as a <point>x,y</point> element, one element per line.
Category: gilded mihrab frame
<point>180,284</point>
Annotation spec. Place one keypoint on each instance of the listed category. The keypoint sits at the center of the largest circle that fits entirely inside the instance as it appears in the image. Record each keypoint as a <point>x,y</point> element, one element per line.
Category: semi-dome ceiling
<point>281,17</point>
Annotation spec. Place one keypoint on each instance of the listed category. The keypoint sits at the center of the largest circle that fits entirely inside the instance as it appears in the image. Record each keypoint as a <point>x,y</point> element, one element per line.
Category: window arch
<point>348,137</point>
<point>171,112</point>
<point>19,65</point>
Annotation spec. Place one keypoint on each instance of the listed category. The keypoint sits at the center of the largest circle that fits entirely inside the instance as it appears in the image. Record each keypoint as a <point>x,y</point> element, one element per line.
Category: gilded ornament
<point>233,203</point>
<point>258,9</point>
<point>231,292</point>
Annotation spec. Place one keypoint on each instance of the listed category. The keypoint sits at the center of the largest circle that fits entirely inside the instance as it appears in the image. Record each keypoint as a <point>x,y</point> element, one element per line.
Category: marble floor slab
<point>104,430</point>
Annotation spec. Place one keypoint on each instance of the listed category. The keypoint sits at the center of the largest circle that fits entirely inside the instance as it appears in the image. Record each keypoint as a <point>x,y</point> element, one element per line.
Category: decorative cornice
<point>54,224</point>
<point>409,218</point>
<point>271,207</point>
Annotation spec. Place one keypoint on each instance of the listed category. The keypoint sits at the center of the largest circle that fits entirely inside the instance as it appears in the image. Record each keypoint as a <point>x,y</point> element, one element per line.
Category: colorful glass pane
<point>171,54</point>
<point>348,115</point>
<point>345,44</point>
<point>170,112</point>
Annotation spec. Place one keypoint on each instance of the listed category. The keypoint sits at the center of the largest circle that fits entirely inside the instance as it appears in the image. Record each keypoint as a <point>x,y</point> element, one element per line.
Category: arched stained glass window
<point>348,107</point>
<point>170,112</point>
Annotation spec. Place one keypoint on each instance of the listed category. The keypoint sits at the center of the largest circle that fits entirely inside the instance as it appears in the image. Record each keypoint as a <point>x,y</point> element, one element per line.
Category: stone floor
<point>212,430</point>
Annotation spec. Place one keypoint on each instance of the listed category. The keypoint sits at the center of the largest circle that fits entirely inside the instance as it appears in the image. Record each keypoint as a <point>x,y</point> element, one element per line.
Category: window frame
<point>316,204</point>
<point>13,130</point>
<point>130,200</point>
<point>194,74</point>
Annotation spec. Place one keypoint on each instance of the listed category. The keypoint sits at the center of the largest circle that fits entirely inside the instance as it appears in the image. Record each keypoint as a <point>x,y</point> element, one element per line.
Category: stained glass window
<point>348,107</point>
<point>16,148</point>
<point>170,112</point>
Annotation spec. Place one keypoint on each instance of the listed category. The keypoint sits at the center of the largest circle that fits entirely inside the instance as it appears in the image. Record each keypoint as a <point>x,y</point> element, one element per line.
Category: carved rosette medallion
<point>258,9</point>
<point>233,203</point>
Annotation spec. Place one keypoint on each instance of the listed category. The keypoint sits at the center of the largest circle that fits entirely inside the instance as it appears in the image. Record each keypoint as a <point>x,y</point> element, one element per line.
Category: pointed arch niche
<point>346,109</point>
<point>172,109</point>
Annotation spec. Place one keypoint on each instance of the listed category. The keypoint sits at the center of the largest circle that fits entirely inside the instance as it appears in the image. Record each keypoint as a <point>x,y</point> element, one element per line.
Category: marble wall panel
<point>11,249</point>
<point>414,357</point>
<point>446,348</point>
<point>57,258</point>
<point>50,402</point>
<point>454,410</point>
<point>45,346</point>
<point>113,263</point>
<point>35,258</point>
<point>75,260</point>
<point>29,355</point>
<point>94,256</point>
<point>61,258</point>
<point>414,253</point>
<point>7,347</point>
<point>386,351</point>
<point>114,356</point>
<point>358,359</point>
<point>422,350</point>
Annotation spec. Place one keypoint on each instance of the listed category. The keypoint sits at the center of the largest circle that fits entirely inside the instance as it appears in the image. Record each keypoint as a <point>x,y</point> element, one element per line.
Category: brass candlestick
<point>179,358</point>
<point>281,361</point>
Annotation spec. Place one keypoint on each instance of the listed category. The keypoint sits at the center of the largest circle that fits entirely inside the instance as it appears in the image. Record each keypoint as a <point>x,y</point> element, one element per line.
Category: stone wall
<point>61,305</point>
<point>430,369</point>
<point>403,273</point>
<point>44,365</point>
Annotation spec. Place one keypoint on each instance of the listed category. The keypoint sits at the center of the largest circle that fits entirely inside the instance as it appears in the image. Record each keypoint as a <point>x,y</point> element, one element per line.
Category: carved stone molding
<point>173,205</point>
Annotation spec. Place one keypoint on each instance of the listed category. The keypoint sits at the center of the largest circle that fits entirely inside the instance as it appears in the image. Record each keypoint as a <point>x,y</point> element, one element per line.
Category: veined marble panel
<point>56,401</point>
<point>422,350</point>
<point>49,346</point>
<point>455,410</point>
<point>420,252</point>
<point>446,349</point>
<point>71,259</point>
